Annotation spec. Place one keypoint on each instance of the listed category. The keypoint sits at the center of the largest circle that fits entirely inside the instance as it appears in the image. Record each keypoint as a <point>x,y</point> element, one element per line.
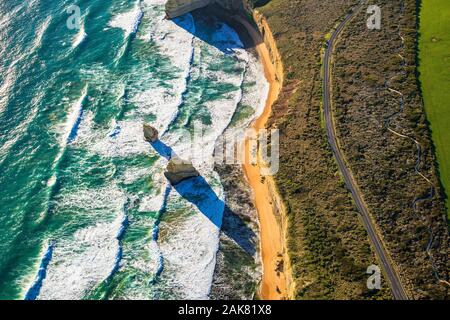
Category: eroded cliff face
<point>233,179</point>
<point>176,8</point>
<point>271,45</point>
<point>277,205</point>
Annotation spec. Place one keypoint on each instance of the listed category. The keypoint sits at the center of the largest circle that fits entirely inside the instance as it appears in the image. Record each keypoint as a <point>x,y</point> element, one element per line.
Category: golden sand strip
<point>274,282</point>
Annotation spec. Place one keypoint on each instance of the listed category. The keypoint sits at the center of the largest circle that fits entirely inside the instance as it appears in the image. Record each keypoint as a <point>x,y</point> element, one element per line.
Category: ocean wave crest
<point>128,21</point>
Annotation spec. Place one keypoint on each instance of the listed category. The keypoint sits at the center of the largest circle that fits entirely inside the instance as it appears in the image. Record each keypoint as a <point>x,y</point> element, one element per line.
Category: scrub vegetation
<point>327,244</point>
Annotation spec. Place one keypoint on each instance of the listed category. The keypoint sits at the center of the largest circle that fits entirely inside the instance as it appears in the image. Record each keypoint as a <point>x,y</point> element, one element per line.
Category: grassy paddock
<point>434,45</point>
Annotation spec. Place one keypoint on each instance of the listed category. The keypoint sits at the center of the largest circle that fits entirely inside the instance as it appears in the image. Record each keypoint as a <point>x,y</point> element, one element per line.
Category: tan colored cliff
<point>276,202</point>
<point>176,8</point>
<point>271,45</point>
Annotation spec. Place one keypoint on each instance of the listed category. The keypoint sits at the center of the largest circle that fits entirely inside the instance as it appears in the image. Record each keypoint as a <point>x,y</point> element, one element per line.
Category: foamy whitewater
<point>111,226</point>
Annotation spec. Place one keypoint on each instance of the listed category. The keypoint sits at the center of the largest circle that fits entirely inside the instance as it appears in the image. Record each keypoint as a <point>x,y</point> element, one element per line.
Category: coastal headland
<point>276,278</point>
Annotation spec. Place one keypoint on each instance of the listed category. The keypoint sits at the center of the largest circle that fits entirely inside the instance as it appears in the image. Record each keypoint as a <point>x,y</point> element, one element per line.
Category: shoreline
<point>274,283</point>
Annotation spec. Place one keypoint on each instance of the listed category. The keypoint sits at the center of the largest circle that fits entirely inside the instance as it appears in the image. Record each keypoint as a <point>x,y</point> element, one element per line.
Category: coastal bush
<point>327,244</point>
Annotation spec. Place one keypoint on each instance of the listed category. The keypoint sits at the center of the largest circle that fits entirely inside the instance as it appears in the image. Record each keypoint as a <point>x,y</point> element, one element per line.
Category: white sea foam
<point>129,142</point>
<point>128,21</point>
<point>151,202</point>
<point>33,281</point>
<point>80,37</point>
<point>70,130</point>
<point>190,250</point>
<point>73,118</point>
<point>221,110</point>
<point>82,261</point>
<point>255,96</point>
<point>162,103</point>
<point>190,258</point>
<point>176,44</point>
<point>190,241</point>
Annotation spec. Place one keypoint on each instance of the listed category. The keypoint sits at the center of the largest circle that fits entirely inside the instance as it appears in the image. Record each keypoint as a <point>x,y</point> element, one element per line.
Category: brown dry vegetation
<point>327,243</point>
<point>366,62</point>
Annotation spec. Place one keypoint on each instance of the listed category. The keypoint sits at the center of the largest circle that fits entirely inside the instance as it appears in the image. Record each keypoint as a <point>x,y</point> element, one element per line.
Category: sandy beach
<point>273,285</point>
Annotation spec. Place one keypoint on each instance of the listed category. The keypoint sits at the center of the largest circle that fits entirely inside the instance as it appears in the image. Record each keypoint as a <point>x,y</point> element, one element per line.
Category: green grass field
<point>434,45</point>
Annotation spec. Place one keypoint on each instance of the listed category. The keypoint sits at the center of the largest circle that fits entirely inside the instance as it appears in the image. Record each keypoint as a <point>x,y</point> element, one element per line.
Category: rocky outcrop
<point>150,133</point>
<point>179,170</point>
<point>176,8</point>
<point>269,41</point>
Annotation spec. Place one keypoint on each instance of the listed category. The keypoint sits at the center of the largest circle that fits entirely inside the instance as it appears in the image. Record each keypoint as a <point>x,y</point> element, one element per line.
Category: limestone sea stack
<point>150,133</point>
<point>179,170</point>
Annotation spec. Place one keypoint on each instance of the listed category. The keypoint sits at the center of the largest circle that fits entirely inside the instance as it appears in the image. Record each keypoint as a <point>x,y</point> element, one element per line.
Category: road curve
<point>398,290</point>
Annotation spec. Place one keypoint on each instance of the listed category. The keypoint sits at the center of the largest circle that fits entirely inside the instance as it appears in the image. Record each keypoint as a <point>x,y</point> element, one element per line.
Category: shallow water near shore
<point>86,212</point>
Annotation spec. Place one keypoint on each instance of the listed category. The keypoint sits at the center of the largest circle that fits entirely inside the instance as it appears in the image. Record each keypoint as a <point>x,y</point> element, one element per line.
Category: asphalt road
<point>386,264</point>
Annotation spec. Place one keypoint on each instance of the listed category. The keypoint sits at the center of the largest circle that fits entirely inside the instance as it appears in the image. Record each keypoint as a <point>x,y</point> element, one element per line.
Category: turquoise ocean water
<point>85,211</point>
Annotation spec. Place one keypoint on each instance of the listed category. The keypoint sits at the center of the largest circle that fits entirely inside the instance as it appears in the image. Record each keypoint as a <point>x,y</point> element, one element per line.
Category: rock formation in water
<point>179,170</point>
<point>176,8</point>
<point>150,133</point>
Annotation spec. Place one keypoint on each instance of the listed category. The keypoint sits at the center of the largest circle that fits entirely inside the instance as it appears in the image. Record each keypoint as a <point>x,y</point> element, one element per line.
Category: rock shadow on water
<point>199,192</point>
<point>163,150</point>
<point>217,31</point>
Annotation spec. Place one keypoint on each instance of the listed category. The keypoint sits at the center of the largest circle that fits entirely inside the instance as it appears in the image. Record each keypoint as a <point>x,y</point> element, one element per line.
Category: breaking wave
<point>74,117</point>
<point>70,131</point>
<point>110,182</point>
<point>35,288</point>
<point>128,21</point>
<point>80,37</point>
<point>81,261</point>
